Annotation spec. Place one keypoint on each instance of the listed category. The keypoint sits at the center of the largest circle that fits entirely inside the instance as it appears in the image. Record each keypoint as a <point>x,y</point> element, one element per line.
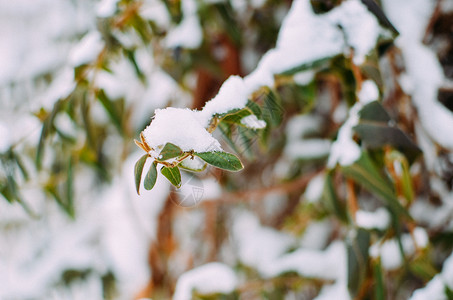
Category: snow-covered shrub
<point>308,145</point>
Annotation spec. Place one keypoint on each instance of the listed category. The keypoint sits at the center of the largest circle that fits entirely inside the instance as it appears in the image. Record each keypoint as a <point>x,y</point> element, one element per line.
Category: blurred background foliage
<point>89,108</point>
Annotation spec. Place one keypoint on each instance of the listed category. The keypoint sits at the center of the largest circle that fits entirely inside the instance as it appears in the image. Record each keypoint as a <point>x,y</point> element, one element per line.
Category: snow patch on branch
<point>207,279</point>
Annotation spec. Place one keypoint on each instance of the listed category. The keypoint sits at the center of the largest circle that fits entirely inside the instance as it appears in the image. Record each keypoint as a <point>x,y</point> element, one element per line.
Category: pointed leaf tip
<point>222,160</point>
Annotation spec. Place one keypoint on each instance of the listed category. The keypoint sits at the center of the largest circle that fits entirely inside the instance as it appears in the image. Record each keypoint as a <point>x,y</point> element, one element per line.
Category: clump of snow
<point>232,95</point>
<point>423,67</point>
<point>252,122</point>
<point>87,49</point>
<point>345,150</point>
<point>106,8</point>
<point>188,34</point>
<point>369,92</point>
<point>312,263</point>
<point>315,187</point>
<point>435,289</point>
<point>180,127</point>
<point>207,279</point>
<point>389,250</point>
<point>304,78</point>
<point>154,10</point>
<point>258,246</point>
<point>306,37</point>
<point>380,219</point>
<point>5,138</point>
<point>360,27</point>
<point>308,149</point>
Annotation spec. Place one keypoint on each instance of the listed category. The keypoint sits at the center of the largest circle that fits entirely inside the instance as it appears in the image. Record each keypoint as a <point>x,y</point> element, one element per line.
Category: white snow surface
<point>435,289</point>
<point>379,219</point>
<point>345,150</point>
<point>207,279</point>
<point>389,250</point>
<point>258,246</point>
<point>87,50</point>
<point>181,127</point>
<point>252,122</point>
<point>423,67</point>
<point>188,34</point>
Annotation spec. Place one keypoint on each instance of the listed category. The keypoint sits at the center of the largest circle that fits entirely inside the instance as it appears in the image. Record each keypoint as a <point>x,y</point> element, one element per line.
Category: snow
<point>188,34</point>
<point>106,8</point>
<point>345,150</point>
<point>180,127</point>
<point>305,37</point>
<point>252,122</point>
<point>232,95</point>
<point>369,92</point>
<point>258,246</point>
<point>435,289</point>
<point>207,279</point>
<point>389,251</point>
<point>360,26</point>
<point>315,188</point>
<point>312,263</point>
<point>87,50</point>
<point>379,219</point>
<point>423,67</point>
<point>5,138</point>
<point>308,149</point>
<point>155,10</point>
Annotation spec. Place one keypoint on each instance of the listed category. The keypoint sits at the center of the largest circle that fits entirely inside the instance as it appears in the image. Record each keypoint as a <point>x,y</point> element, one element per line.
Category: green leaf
<point>272,110</point>
<point>357,255</point>
<point>111,109</point>
<point>374,111</point>
<point>365,172</point>
<point>331,200</point>
<point>151,176</point>
<point>379,288</point>
<point>375,131</point>
<point>170,151</point>
<point>173,175</point>
<point>222,160</point>
<point>138,170</point>
<point>236,117</point>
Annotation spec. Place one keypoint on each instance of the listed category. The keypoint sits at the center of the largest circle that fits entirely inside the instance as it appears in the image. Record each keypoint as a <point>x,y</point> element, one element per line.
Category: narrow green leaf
<point>138,170</point>
<point>331,200</point>
<point>379,288</point>
<point>173,175</point>
<point>236,117</point>
<point>151,176</point>
<point>357,254</point>
<point>367,174</point>
<point>111,110</point>
<point>222,160</point>
<point>170,151</point>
